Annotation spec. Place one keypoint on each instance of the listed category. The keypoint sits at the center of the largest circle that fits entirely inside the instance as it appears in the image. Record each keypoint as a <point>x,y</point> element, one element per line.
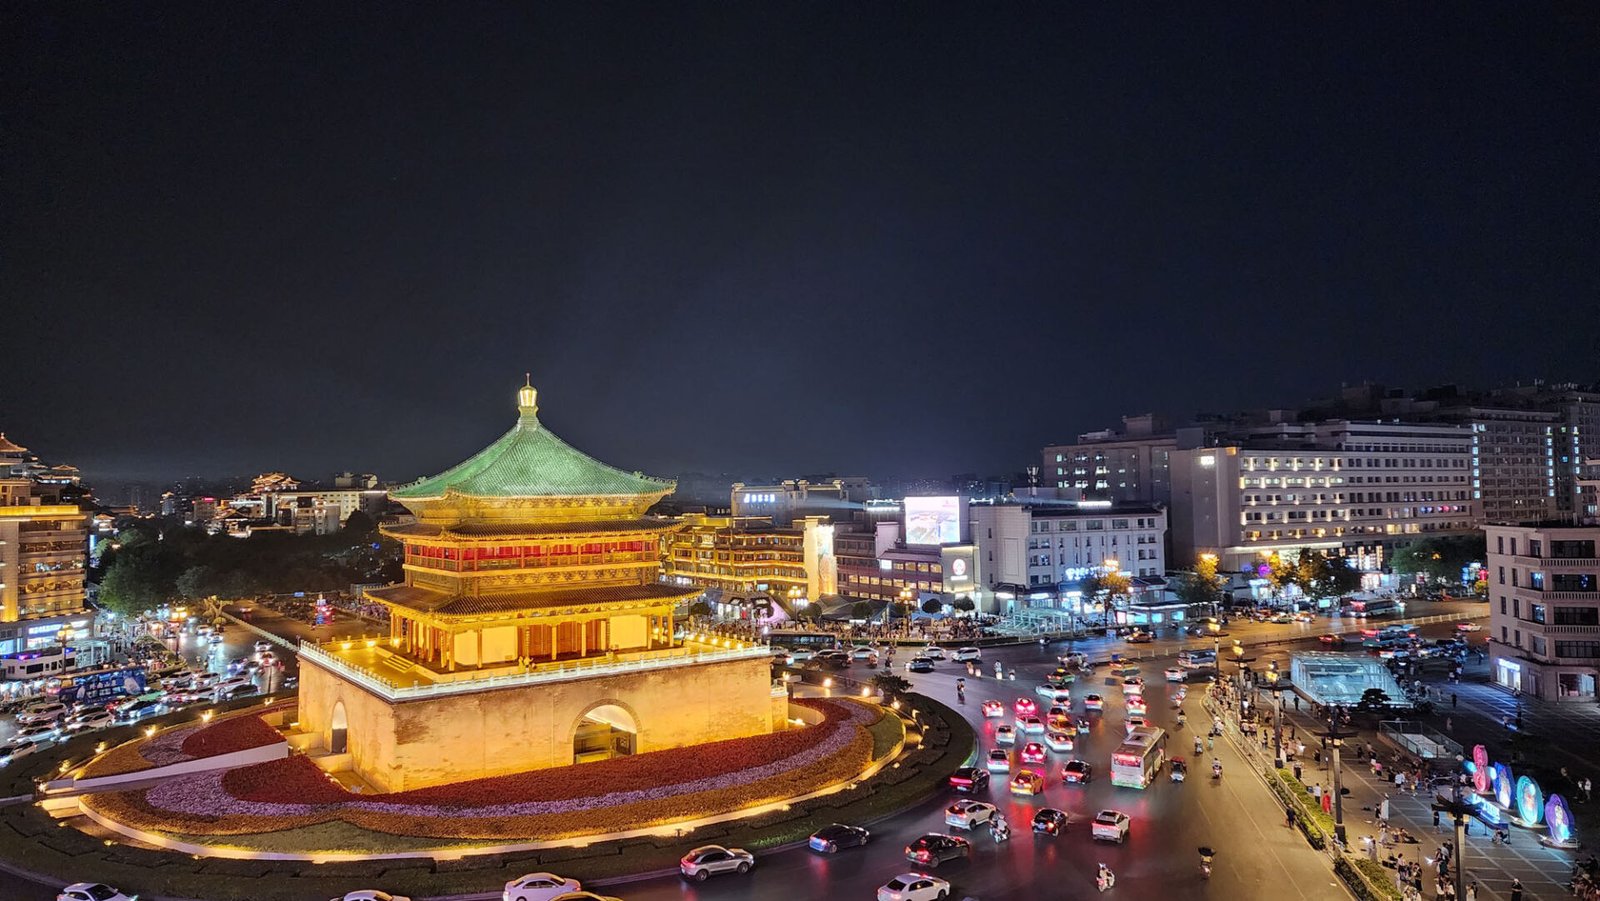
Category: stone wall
<point>509,730</point>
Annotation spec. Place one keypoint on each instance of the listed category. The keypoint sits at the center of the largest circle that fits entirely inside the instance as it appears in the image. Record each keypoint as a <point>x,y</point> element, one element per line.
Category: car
<point>1059,723</point>
<point>38,732</point>
<point>1045,690</point>
<point>1050,821</point>
<point>141,709</point>
<point>370,894</point>
<point>1469,627</point>
<point>1032,725</point>
<point>935,848</point>
<point>207,680</point>
<point>1058,741</point>
<point>1005,734</point>
<point>1137,706</point>
<point>539,887</point>
<point>1058,710</point>
<point>914,887</point>
<point>1110,826</point>
<point>1281,619</point>
<point>969,779</point>
<point>1140,637</point>
<point>98,717</point>
<point>1094,702</point>
<point>1082,723</point>
<point>1332,638</point>
<point>238,691</point>
<point>216,637</point>
<point>1027,782</point>
<point>262,645</point>
<point>833,658</point>
<point>968,814</point>
<point>1032,752</point>
<point>92,891</point>
<point>999,761</point>
<point>266,658</point>
<point>1076,772</point>
<point>1133,685</point>
<point>14,749</point>
<point>829,839</point>
<point>41,713</point>
<point>920,665</point>
<point>709,860</point>
<point>1135,722</point>
<point>1176,674</point>
<point>801,655</point>
<point>933,652</point>
<point>584,896</point>
<point>862,652</point>
<point>992,709</point>
<point>968,655</point>
<point>1025,707</point>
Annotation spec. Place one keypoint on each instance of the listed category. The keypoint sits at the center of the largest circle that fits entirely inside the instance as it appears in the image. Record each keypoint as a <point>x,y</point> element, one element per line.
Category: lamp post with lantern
<point>1335,736</point>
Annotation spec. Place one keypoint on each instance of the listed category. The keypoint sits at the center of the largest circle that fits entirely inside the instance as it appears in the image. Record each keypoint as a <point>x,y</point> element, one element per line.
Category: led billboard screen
<point>933,520</point>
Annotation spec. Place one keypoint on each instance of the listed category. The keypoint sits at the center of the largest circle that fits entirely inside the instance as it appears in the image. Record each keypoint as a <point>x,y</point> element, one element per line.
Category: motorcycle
<point>1216,771</point>
<point>1206,854</point>
<point>999,830</point>
<point>1106,879</point>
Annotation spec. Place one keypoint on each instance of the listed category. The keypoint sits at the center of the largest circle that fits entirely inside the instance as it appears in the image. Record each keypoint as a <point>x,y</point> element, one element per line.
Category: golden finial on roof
<point>527,397</point>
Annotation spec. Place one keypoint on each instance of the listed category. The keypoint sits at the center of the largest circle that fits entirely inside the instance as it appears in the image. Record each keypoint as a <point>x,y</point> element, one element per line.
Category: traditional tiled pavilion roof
<point>442,604</point>
<point>7,446</point>
<point>530,461</point>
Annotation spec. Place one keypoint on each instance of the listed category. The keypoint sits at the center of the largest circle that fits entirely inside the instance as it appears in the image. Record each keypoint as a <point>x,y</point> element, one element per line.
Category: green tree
<point>699,608</point>
<point>965,605</point>
<point>1373,700</point>
<point>1439,559</point>
<point>932,606</point>
<point>131,585</point>
<point>1204,585</point>
<point>889,685</point>
<point>1320,575</point>
<point>195,582</point>
<point>1117,587</point>
<point>359,523</point>
<point>861,610</point>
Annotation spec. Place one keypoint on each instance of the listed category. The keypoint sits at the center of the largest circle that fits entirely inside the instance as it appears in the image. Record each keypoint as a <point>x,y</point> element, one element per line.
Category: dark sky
<point>880,238</point>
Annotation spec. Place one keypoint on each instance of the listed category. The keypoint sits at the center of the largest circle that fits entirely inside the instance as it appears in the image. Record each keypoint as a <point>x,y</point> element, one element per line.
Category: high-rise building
<point>1126,466</point>
<point>785,501</point>
<point>1544,609</point>
<point>1356,489</point>
<point>43,544</point>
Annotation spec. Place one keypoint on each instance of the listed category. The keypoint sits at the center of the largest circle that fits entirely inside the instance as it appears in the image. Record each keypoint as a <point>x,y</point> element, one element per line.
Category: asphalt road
<point>1236,816</point>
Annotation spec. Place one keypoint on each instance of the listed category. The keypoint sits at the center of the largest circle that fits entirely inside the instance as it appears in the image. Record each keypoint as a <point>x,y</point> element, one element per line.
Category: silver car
<point>709,860</point>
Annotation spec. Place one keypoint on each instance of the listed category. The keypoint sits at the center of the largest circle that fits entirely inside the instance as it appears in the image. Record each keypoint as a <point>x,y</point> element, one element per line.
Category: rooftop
<point>424,600</point>
<point>530,461</point>
<point>529,530</point>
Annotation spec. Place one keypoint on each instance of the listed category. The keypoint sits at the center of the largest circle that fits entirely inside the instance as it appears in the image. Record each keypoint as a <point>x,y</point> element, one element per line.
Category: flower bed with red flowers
<point>643,790</point>
<point>236,733</point>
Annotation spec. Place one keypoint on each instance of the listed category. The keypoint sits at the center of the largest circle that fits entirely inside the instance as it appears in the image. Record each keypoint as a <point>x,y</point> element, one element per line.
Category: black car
<point>1076,772</point>
<point>829,839</point>
<point>969,779</point>
<point>1050,821</point>
<point>936,848</point>
<point>920,665</point>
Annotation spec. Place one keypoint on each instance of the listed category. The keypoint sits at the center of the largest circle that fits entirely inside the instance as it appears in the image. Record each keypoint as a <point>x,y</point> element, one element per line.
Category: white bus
<point>1197,659</point>
<point>1138,761</point>
<point>45,663</point>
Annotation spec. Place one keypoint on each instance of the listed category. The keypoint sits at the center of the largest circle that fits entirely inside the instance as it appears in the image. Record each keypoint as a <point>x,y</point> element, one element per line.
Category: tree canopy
<point>1439,559</point>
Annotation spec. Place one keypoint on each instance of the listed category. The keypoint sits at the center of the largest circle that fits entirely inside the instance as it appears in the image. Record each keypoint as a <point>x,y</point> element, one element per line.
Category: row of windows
<point>1410,528</point>
<point>1095,525</point>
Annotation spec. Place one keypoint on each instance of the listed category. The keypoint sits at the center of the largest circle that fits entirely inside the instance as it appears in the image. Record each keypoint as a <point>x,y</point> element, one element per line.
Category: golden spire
<point>527,397</point>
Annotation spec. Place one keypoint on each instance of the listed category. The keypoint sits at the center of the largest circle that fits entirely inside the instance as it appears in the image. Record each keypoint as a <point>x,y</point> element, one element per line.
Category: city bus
<point>46,663</point>
<point>802,639</point>
<point>99,686</point>
<point>1137,762</point>
<point>1197,659</point>
<point>1374,607</point>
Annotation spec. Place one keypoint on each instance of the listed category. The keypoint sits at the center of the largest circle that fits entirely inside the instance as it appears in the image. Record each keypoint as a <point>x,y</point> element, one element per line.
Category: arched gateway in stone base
<point>531,629</point>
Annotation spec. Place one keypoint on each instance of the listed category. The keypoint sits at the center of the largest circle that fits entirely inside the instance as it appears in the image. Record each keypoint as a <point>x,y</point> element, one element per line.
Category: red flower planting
<point>238,733</point>
<point>294,780</point>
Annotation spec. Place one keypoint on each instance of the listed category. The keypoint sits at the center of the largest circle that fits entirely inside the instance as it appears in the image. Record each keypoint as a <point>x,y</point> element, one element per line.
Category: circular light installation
<point>1502,785</point>
<point>1480,769</point>
<point>1559,818</point>
<point>1530,801</point>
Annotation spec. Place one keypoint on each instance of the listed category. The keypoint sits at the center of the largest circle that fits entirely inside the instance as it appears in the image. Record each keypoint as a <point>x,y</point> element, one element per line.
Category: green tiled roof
<point>530,461</point>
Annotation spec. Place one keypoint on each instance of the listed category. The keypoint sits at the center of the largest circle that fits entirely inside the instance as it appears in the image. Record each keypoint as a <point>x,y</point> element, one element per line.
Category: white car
<point>41,713</point>
<point>1032,725</point>
<point>933,652</point>
<point>914,887</point>
<point>1175,674</point>
<point>801,655</point>
<point>38,732</point>
<point>91,719</point>
<point>263,646</point>
<point>968,814</point>
<point>1111,826</point>
<point>230,684</point>
<point>92,891</point>
<point>1005,735</point>
<point>207,680</point>
<point>539,887</point>
<point>15,749</point>
<point>370,894</point>
<point>1060,742</point>
<point>969,655</point>
<point>862,652</point>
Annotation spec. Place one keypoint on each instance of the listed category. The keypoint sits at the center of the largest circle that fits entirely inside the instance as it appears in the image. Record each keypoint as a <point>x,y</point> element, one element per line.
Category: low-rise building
<point>1544,609</point>
<point>750,555</point>
<point>43,547</point>
<point>798,498</point>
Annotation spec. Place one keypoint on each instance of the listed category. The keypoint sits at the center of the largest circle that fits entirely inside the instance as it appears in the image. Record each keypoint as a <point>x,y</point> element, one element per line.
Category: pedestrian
<point>1588,788</point>
<point>1516,889</point>
<point>1288,818</point>
<point>1472,892</point>
<point>1400,780</point>
<point>1383,809</point>
<point>1316,792</point>
<point>1327,801</point>
<point>1452,700</point>
<point>1297,703</point>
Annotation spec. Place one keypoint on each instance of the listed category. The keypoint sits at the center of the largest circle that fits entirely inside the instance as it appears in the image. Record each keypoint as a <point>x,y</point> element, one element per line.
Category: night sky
<point>877,238</point>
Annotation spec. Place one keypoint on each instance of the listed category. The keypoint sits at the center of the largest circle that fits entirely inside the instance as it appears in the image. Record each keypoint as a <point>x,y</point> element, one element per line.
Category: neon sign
<point>1559,818</point>
<point>1480,769</point>
<point>1502,785</point>
<point>1530,801</point>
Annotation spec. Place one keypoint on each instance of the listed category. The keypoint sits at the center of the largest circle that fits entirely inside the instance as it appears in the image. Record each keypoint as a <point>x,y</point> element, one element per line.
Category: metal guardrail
<point>385,687</point>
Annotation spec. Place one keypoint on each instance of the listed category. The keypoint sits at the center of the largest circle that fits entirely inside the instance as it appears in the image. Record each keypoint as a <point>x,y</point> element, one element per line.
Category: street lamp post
<point>1336,737</point>
<point>1458,810</point>
<point>1277,726</point>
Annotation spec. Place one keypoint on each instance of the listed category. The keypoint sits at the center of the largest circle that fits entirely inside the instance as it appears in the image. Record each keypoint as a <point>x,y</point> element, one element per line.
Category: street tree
<point>932,606</point>
<point>1203,586</point>
<point>889,685</point>
<point>1439,559</point>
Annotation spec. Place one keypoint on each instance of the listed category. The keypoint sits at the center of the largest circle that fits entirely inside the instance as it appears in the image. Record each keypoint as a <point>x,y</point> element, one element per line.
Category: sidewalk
<point>1544,871</point>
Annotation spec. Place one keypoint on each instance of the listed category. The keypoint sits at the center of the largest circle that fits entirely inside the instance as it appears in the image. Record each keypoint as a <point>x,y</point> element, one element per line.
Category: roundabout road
<point>1236,816</point>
